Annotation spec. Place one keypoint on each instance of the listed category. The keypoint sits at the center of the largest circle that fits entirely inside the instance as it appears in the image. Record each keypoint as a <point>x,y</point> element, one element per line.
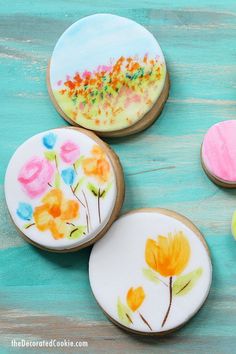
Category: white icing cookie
<point>151,272</point>
<point>106,72</point>
<point>63,188</point>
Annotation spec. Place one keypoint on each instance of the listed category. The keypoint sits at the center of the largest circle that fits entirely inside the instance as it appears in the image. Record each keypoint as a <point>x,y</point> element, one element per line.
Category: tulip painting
<point>56,187</point>
<point>134,300</point>
<point>167,258</point>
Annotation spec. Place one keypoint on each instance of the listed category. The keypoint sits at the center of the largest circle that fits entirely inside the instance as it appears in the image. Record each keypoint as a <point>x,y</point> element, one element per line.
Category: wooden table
<point>44,295</point>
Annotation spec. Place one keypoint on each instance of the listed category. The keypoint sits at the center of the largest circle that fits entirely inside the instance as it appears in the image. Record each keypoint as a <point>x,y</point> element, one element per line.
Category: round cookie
<point>233,225</point>
<point>108,74</point>
<point>218,153</point>
<point>64,188</point>
<point>151,272</point>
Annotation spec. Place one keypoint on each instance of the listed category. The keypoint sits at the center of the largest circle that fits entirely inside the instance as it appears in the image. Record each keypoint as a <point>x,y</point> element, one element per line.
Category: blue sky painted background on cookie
<point>95,39</point>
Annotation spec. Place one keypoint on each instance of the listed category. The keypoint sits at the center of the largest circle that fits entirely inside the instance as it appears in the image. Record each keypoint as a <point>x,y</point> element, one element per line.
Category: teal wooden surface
<point>43,295</point>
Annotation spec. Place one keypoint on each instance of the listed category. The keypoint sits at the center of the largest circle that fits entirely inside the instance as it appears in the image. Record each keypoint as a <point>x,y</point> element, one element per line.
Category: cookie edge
<point>146,121</point>
<point>120,186</point>
<point>187,222</point>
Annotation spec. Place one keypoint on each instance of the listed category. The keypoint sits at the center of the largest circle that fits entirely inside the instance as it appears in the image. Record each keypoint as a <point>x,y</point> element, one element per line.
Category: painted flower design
<point>60,171</point>
<point>24,211</point>
<point>35,176</point>
<point>97,166</point>
<point>69,152</point>
<point>49,140</point>
<point>68,176</point>
<point>168,256</point>
<point>55,213</point>
<point>134,300</point>
<point>103,95</point>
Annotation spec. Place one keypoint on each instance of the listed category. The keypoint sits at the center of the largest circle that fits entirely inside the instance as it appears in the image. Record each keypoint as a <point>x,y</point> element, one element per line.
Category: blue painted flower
<point>49,140</point>
<point>24,211</point>
<point>68,175</point>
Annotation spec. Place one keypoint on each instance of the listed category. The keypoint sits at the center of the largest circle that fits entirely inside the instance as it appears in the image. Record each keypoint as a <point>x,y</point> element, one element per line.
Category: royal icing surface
<point>60,188</point>
<point>233,225</point>
<point>219,150</point>
<point>151,272</point>
<point>106,72</point>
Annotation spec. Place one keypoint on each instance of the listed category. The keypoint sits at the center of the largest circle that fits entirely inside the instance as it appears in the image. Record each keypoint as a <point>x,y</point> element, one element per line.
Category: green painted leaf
<point>106,190</point>
<point>124,313</point>
<point>150,275</point>
<point>50,155</point>
<point>233,225</point>
<point>57,181</point>
<point>184,283</point>
<point>93,189</point>
<point>77,232</point>
<point>78,162</point>
<point>74,99</point>
<point>79,184</point>
<point>28,225</point>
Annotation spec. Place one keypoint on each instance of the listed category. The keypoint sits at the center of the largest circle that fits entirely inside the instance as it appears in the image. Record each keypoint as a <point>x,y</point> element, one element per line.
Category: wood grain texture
<point>45,295</point>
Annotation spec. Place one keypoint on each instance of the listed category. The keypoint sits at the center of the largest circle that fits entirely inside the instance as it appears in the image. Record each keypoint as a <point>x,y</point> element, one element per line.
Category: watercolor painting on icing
<point>103,78</point>
<point>59,187</point>
<point>166,258</point>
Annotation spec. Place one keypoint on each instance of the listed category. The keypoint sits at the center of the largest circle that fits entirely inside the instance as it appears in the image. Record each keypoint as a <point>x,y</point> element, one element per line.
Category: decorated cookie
<point>233,225</point>
<point>219,153</point>
<point>108,74</point>
<point>64,188</point>
<point>151,272</point>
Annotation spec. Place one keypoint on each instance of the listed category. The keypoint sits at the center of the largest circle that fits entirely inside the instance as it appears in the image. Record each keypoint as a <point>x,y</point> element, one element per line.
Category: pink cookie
<point>219,153</point>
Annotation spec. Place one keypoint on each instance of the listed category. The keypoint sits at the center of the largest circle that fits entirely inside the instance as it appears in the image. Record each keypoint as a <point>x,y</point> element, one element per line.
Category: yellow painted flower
<point>54,213</point>
<point>135,298</point>
<point>168,255</point>
<point>97,166</point>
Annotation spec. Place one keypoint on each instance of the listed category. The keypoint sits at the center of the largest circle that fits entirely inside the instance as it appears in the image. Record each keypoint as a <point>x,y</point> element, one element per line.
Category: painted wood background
<point>45,295</point>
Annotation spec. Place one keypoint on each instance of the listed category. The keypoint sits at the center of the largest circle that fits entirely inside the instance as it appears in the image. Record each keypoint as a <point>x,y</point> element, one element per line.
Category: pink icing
<point>35,176</point>
<point>69,152</point>
<point>81,106</point>
<point>219,150</point>
<point>134,98</point>
<point>86,74</point>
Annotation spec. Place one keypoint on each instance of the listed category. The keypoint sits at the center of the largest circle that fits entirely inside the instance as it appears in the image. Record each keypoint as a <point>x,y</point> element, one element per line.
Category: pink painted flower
<point>81,106</point>
<point>86,74</point>
<point>35,176</point>
<point>106,68</point>
<point>136,98</point>
<point>132,99</point>
<point>69,152</point>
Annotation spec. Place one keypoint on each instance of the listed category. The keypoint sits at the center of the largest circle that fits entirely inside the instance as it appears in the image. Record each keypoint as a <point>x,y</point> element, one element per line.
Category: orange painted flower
<point>93,93</point>
<point>168,255</point>
<point>135,298</point>
<point>97,166</point>
<point>54,213</point>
